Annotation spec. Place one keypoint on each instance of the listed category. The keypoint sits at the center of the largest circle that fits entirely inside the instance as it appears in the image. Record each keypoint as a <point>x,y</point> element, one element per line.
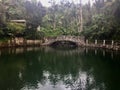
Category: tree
<point>35,12</point>
<point>80,18</point>
<point>53,13</point>
<point>2,13</point>
<point>15,29</point>
<point>104,22</point>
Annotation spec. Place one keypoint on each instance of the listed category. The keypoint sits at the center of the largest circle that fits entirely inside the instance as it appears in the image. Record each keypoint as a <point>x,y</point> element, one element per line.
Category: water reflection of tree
<point>75,71</point>
<point>9,73</point>
<point>59,69</point>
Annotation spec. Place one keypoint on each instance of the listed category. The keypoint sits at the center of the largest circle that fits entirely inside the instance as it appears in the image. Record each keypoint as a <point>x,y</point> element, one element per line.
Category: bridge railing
<point>106,42</point>
<point>115,44</point>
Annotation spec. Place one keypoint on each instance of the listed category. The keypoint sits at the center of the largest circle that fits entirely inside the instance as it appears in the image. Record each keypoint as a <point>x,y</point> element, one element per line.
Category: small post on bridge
<point>95,42</point>
<point>87,42</point>
<point>103,42</point>
<point>112,43</point>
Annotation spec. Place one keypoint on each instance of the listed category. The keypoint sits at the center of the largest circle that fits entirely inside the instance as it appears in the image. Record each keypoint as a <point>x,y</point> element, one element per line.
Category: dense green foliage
<point>100,20</point>
<point>105,21</point>
<point>15,28</point>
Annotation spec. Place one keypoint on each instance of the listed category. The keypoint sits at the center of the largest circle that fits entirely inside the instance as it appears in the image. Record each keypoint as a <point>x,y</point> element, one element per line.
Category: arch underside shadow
<point>64,43</point>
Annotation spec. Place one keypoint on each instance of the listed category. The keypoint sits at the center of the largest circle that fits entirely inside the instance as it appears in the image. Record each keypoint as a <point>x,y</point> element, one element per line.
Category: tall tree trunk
<point>80,29</point>
<point>54,25</point>
<point>54,22</point>
<point>54,16</point>
<point>3,12</point>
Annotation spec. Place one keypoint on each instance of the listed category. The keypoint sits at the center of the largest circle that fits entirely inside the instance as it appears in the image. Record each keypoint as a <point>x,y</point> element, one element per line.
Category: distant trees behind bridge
<point>100,20</point>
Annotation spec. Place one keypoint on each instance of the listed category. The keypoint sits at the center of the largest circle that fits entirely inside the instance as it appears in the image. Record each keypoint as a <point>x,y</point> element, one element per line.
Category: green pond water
<point>47,68</point>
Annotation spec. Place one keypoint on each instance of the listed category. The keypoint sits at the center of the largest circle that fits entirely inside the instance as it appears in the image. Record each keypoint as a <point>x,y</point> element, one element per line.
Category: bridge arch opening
<point>64,43</point>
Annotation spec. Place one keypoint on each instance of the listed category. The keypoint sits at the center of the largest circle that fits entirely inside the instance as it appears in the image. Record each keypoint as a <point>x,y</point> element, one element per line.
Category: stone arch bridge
<point>76,40</point>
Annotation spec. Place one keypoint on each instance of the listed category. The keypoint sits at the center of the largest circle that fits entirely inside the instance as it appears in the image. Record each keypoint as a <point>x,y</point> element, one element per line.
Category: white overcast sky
<point>45,2</point>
